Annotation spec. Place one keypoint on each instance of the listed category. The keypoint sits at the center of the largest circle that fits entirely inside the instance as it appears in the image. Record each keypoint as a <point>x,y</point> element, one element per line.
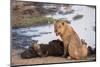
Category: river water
<point>84,26</point>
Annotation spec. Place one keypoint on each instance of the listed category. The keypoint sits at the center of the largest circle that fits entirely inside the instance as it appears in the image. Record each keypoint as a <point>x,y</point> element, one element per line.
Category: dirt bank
<point>17,60</point>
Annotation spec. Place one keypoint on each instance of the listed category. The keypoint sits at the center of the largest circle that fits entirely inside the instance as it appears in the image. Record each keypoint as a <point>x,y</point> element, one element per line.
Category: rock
<point>29,53</point>
<point>78,16</point>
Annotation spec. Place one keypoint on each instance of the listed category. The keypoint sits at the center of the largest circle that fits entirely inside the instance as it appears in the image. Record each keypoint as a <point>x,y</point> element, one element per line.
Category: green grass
<point>19,22</point>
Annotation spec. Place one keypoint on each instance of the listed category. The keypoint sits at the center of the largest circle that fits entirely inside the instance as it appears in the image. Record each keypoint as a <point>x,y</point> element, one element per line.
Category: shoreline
<point>36,25</point>
<point>17,60</point>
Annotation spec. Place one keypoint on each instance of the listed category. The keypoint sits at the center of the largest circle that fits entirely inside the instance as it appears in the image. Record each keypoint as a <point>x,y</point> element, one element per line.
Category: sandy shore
<point>17,60</point>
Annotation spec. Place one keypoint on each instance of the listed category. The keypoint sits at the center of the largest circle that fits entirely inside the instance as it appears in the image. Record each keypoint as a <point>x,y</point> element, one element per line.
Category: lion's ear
<point>63,23</point>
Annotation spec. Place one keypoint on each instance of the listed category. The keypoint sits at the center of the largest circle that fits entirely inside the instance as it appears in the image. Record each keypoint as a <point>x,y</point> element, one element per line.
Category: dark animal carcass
<point>54,48</point>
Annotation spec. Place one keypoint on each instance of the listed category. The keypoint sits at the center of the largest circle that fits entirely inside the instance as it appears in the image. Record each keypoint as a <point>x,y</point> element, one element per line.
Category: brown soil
<point>17,60</point>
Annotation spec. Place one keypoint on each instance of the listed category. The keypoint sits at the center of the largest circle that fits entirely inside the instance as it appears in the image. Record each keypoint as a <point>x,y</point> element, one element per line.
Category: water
<point>84,26</point>
<point>45,33</point>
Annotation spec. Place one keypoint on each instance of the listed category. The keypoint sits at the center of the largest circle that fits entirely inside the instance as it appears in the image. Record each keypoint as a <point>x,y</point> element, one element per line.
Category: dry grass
<point>19,21</point>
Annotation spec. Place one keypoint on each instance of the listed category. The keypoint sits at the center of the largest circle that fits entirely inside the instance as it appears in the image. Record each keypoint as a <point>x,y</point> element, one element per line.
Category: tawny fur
<point>71,40</point>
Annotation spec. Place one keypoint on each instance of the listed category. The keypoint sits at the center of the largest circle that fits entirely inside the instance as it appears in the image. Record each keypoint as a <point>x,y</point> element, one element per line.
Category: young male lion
<point>72,42</point>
